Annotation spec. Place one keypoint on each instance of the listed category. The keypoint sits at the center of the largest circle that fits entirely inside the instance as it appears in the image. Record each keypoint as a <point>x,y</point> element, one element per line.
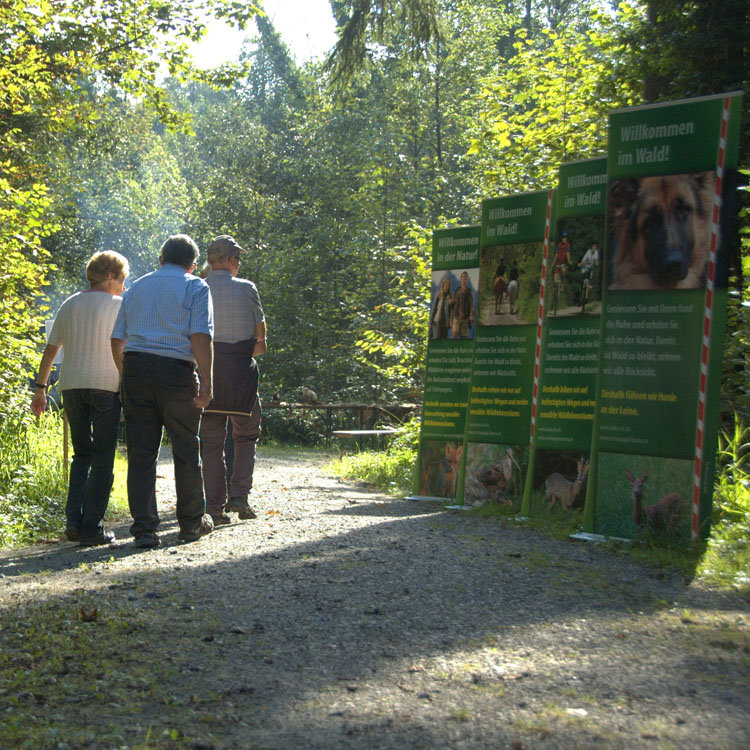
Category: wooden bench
<point>357,435</point>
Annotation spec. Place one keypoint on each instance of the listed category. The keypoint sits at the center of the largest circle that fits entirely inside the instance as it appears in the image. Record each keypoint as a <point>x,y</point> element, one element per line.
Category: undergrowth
<point>390,470</point>
<point>727,558</point>
<point>32,486</point>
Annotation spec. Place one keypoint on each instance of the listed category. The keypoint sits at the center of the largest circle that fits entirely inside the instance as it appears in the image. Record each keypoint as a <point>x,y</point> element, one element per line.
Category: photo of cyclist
<point>588,265</point>
<point>562,253</point>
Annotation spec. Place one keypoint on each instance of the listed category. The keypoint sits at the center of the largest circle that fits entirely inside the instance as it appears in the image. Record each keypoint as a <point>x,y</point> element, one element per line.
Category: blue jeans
<point>93,417</point>
<point>158,392</point>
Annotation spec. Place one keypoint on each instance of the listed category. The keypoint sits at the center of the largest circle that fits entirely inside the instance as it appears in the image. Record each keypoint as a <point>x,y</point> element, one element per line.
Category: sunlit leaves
<point>548,105</point>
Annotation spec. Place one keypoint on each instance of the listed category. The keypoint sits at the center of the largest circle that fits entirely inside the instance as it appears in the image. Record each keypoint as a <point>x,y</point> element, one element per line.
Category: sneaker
<point>147,540</point>
<point>103,537</point>
<point>206,527</point>
<point>72,534</point>
<point>221,520</point>
<point>239,506</point>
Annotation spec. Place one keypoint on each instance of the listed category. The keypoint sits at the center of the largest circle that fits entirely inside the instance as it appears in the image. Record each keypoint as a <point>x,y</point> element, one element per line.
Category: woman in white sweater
<point>90,385</point>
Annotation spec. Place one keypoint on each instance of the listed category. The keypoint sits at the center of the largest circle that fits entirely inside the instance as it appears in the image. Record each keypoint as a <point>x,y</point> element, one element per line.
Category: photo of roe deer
<point>559,482</point>
<point>644,496</point>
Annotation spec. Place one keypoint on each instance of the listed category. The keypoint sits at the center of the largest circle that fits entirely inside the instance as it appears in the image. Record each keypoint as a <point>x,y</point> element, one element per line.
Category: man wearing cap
<point>162,332</point>
<point>239,336</point>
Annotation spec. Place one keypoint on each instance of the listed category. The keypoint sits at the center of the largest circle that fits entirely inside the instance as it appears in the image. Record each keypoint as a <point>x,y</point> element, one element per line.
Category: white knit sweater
<point>82,326</point>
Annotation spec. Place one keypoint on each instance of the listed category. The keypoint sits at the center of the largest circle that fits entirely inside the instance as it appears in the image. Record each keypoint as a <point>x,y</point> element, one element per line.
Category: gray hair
<point>180,250</point>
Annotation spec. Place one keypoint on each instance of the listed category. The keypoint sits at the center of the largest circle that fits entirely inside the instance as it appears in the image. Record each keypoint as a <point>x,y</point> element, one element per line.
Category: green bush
<point>32,487</point>
<point>390,470</point>
<point>727,558</point>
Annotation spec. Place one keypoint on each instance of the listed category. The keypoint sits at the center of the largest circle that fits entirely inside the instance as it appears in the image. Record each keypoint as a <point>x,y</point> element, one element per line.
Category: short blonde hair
<point>102,264</point>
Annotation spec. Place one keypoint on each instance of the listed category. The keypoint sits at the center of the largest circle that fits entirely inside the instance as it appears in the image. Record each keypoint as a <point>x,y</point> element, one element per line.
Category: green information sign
<point>450,347</point>
<point>670,176</point>
<point>565,388</point>
<point>498,424</point>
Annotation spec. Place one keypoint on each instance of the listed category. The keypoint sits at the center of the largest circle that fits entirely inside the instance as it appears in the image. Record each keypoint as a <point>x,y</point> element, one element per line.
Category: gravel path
<point>341,618</point>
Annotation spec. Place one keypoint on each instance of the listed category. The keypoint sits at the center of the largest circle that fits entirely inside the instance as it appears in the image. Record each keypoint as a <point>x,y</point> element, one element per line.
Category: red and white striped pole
<point>700,429</point>
<point>540,315</point>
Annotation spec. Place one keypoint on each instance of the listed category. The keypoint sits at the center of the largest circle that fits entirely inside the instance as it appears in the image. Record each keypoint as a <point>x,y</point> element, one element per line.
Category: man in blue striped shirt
<point>162,332</point>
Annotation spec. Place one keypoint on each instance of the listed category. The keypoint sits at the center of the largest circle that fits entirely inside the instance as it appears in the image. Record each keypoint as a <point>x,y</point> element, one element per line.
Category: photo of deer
<point>494,474</point>
<point>644,496</point>
<point>665,514</point>
<point>559,482</point>
<point>558,489</point>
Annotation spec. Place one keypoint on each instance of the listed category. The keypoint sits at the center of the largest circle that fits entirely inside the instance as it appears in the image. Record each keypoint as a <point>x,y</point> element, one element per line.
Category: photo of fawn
<point>643,496</point>
<point>663,515</point>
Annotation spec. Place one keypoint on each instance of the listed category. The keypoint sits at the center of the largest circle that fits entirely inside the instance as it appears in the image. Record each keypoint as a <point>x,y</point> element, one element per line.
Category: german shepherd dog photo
<point>661,231</point>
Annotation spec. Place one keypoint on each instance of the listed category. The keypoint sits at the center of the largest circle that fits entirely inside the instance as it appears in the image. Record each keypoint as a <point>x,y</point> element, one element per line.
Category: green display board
<point>498,424</point>
<point>565,385</point>
<point>450,347</point>
<point>670,175</point>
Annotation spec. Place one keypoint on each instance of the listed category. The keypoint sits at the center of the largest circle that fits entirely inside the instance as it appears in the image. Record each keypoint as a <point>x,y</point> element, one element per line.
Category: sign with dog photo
<point>670,172</point>
<point>497,433</point>
<point>565,387</point>
<point>450,345</point>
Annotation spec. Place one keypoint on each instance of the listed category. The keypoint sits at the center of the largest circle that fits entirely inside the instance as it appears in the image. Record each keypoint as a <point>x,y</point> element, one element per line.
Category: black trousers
<point>158,392</point>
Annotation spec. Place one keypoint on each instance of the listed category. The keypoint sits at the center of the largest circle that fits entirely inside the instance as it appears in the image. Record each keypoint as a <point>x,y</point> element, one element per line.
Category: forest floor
<point>342,618</point>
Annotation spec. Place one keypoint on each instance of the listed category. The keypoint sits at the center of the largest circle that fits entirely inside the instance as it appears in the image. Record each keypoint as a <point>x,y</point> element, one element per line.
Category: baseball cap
<point>222,247</point>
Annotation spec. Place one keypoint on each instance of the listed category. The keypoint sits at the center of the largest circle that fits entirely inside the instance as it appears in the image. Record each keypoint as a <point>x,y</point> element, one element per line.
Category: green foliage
<point>736,361</point>
<point>727,558</point>
<point>364,21</point>
<point>398,352</point>
<point>681,49</point>
<point>118,508</point>
<point>308,427</point>
<point>390,470</point>
<point>117,187</point>
<point>548,105</point>
<point>32,490</point>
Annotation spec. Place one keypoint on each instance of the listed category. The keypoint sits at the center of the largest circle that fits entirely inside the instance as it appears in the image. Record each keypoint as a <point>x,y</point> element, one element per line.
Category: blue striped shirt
<point>161,310</point>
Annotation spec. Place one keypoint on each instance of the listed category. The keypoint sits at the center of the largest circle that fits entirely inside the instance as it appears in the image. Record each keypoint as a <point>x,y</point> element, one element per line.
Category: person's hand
<point>39,402</point>
<point>203,399</point>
